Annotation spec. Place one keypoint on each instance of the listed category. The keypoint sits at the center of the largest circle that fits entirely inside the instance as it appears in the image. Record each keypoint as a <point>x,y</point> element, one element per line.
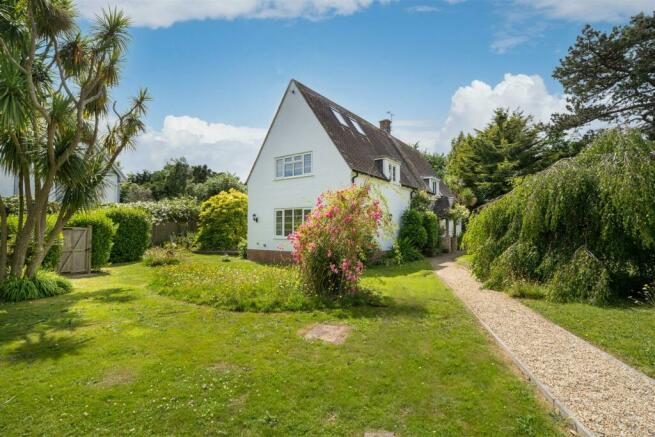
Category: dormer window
<point>432,184</point>
<point>389,168</point>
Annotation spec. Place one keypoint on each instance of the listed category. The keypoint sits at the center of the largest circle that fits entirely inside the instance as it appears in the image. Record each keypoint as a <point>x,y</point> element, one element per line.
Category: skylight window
<point>357,126</point>
<point>339,117</point>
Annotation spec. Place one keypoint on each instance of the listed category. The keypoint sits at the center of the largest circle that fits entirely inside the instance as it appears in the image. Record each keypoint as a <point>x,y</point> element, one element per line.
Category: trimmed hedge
<point>132,235</point>
<point>102,237</point>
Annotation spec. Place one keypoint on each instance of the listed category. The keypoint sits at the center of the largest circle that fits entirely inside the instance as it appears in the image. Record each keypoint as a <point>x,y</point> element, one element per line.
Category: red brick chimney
<point>385,125</point>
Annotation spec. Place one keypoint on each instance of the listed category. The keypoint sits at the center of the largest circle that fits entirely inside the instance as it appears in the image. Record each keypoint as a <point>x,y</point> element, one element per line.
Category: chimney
<point>385,125</point>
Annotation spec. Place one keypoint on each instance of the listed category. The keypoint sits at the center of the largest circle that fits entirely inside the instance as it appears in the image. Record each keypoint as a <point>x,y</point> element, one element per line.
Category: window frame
<point>293,161</point>
<point>304,212</point>
<point>393,171</point>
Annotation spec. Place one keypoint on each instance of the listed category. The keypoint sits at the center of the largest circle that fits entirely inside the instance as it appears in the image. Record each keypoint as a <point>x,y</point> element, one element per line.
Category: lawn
<point>115,357</point>
<point>626,331</point>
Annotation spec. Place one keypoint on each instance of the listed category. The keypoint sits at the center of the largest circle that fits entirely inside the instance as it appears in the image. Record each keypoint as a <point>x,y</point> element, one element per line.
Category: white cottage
<point>314,145</point>
<point>111,192</point>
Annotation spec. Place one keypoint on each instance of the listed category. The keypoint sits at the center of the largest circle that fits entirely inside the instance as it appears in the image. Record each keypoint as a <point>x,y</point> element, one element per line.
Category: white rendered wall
<point>396,198</point>
<point>295,130</point>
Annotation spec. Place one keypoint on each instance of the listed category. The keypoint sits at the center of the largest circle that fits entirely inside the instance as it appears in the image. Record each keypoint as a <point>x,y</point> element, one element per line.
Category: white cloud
<point>503,43</point>
<point>590,10</point>
<point>422,9</point>
<point>163,13</point>
<point>472,105</point>
<point>222,147</point>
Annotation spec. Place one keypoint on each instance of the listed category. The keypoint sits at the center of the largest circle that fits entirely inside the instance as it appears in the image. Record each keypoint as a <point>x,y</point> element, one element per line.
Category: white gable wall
<point>295,129</point>
<point>397,200</point>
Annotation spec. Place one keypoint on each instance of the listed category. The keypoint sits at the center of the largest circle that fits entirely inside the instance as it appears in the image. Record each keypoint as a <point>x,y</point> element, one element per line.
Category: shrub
<point>177,210</point>
<point>132,235</point>
<point>585,227</point>
<point>161,256</point>
<point>223,221</point>
<point>51,260</point>
<point>406,251</point>
<point>331,245</point>
<point>412,229</point>
<point>43,284</point>
<point>216,184</point>
<point>102,234</point>
<point>243,248</point>
<point>433,232</point>
<point>420,201</point>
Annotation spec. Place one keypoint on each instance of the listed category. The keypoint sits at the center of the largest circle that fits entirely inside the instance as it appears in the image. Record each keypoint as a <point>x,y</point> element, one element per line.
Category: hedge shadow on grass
<point>46,326</point>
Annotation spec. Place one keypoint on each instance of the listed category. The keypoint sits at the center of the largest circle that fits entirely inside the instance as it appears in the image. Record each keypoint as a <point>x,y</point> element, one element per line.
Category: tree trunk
<point>3,241</point>
<point>51,239</point>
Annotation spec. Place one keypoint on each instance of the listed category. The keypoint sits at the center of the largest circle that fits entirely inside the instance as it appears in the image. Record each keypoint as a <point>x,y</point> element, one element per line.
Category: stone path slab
<point>604,395</point>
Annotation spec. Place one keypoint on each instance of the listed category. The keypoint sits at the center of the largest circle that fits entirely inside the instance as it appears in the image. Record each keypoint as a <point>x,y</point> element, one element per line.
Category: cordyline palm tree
<point>54,95</point>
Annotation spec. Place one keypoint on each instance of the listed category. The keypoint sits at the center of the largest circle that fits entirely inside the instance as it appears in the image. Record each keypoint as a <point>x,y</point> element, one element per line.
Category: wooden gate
<point>76,254</point>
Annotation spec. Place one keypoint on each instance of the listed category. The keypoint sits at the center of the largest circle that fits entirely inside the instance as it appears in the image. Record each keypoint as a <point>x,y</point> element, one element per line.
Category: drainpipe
<point>352,180</point>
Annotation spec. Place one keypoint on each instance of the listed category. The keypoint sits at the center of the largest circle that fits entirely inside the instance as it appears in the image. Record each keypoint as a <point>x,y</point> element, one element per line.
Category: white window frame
<point>293,160</point>
<point>305,212</point>
<point>393,171</point>
<point>432,184</point>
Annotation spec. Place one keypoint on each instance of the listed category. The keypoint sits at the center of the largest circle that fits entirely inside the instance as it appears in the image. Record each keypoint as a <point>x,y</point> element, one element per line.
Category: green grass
<point>626,331</point>
<point>238,285</point>
<point>113,357</point>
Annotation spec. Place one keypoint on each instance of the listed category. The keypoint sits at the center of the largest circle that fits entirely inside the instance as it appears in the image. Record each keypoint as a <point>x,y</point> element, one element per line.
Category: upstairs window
<point>339,117</point>
<point>432,184</point>
<point>293,165</point>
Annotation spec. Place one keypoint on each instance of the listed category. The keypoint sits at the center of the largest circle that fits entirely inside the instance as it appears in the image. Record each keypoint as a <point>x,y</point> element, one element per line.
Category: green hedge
<point>412,229</point>
<point>433,232</point>
<point>133,234</point>
<point>103,233</point>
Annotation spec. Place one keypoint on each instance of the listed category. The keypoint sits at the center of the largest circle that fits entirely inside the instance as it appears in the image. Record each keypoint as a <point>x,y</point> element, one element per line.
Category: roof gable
<point>361,151</point>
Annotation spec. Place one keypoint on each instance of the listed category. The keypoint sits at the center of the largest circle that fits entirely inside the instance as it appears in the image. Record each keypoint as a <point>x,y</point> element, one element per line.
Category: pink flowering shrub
<point>331,246</point>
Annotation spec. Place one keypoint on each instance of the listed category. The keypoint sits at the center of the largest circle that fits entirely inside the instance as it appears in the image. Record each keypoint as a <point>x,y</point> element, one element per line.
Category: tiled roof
<point>361,151</point>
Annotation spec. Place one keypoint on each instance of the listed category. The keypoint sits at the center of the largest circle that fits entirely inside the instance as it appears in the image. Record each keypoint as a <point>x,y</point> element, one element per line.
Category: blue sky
<point>217,69</point>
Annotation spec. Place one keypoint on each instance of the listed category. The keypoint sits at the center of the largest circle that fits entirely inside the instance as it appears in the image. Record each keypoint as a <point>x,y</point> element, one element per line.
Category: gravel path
<point>605,395</point>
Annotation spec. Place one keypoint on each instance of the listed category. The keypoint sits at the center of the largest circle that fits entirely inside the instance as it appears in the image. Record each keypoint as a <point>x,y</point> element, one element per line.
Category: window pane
<point>297,219</point>
<point>308,163</point>
<point>297,168</point>
<point>278,222</point>
<point>288,170</point>
<point>305,214</point>
<point>297,158</point>
<point>289,159</point>
<point>279,168</point>
<point>288,221</point>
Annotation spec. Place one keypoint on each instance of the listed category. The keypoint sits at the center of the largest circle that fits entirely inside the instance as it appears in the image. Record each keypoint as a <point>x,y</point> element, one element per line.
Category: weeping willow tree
<point>54,95</point>
<point>585,227</point>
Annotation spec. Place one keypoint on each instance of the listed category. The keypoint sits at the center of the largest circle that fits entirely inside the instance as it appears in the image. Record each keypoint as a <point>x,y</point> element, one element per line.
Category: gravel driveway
<point>605,395</point>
